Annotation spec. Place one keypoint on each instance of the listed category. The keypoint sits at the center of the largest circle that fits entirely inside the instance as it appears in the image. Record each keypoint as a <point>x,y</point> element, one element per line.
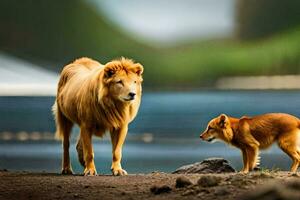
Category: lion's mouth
<point>128,99</point>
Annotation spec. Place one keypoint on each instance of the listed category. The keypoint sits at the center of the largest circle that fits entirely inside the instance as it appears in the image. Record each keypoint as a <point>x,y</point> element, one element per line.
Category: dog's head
<point>218,128</point>
<point>123,79</point>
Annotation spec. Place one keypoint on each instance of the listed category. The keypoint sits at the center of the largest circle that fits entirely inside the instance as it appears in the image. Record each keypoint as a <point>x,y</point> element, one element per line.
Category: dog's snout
<point>201,136</point>
<point>131,94</point>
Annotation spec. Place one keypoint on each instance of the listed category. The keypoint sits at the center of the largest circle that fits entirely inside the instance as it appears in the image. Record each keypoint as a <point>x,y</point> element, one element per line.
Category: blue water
<point>173,119</point>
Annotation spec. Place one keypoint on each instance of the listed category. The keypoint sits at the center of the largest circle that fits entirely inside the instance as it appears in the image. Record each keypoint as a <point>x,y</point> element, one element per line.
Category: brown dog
<point>98,98</point>
<point>250,134</point>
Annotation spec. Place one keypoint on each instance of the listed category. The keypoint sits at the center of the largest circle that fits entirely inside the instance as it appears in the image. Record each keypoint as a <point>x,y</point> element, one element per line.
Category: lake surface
<point>164,136</point>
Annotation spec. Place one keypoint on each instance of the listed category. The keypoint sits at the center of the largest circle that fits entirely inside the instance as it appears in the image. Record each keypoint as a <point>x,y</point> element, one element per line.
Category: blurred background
<point>201,58</point>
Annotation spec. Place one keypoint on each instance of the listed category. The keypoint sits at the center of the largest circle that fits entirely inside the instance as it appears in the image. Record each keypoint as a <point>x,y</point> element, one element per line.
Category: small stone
<point>182,181</point>
<point>86,186</point>
<point>59,186</point>
<point>160,189</point>
<point>188,192</point>
<point>209,181</point>
<point>202,193</point>
<point>75,195</point>
<point>221,191</point>
<point>294,174</point>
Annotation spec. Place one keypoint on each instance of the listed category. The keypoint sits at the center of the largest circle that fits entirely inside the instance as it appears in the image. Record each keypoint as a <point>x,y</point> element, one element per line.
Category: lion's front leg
<point>88,153</point>
<point>117,138</point>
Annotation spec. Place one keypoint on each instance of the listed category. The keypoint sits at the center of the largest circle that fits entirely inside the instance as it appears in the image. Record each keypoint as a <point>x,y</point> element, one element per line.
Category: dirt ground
<point>27,185</point>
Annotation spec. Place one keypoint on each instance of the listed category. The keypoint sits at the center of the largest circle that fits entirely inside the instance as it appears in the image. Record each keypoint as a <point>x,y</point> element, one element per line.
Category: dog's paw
<point>118,172</point>
<point>244,172</point>
<point>90,172</point>
<point>67,171</point>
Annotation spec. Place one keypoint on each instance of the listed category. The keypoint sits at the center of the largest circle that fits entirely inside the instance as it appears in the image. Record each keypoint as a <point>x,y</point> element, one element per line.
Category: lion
<point>99,98</point>
<point>250,134</point>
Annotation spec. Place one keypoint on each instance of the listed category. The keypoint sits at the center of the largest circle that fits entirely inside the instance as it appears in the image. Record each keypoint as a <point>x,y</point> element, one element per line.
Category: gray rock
<point>210,165</point>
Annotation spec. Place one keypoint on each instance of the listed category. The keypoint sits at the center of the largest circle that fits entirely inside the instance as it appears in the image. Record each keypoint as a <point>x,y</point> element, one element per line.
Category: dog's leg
<point>294,156</point>
<point>253,159</point>
<point>251,146</point>
<point>250,153</point>
<point>288,144</point>
<point>88,154</point>
<point>117,138</point>
<point>245,162</point>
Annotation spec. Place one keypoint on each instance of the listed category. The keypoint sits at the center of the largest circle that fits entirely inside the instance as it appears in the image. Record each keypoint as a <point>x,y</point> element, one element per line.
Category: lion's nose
<point>131,94</point>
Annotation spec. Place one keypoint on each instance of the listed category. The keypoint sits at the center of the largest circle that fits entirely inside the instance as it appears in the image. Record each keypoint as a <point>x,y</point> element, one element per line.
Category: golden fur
<point>98,98</point>
<point>250,134</point>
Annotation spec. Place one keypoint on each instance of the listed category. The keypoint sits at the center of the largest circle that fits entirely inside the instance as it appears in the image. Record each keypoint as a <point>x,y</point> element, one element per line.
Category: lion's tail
<point>63,125</point>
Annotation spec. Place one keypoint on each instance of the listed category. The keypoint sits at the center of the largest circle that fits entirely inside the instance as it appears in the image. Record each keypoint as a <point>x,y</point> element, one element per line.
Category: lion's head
<point>122,79</point>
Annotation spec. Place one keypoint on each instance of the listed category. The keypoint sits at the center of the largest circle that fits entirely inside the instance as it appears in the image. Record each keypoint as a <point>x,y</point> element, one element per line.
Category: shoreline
<point>29,185</point>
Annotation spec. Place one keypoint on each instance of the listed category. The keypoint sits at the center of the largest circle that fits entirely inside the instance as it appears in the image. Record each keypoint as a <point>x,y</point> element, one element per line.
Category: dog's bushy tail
<point>63,125</point>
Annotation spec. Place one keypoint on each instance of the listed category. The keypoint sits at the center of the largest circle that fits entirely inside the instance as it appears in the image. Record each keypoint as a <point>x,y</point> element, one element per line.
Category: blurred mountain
<point>58,31</point>
<point>52,33</point>
<point>262,18</point>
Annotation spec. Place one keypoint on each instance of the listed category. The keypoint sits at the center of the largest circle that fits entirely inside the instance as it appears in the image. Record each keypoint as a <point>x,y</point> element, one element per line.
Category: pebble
<point>222,191</point>
<point>160,189</point>
<point>209,181</point>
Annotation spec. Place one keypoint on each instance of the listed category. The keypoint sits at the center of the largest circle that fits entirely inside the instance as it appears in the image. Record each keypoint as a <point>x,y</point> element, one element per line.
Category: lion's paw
<point>119,172</point>
<point>90,172</point>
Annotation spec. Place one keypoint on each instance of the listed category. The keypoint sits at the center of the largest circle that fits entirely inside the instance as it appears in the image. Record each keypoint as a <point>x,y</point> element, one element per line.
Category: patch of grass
<point>269,171</point>
<point>203,63</point>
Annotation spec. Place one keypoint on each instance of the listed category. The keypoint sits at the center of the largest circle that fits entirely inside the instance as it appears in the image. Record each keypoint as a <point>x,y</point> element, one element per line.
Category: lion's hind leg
<point>63,131</point>
<point>79,149</point>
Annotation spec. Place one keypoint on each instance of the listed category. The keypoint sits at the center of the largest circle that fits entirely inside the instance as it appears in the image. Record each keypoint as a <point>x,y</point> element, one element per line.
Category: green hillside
<point>58,31</point>
<point>204,62</point>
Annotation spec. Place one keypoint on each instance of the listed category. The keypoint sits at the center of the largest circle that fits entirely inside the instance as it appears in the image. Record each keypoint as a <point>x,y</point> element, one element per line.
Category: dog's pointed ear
<point>138,69</point>
<point>223,120</point>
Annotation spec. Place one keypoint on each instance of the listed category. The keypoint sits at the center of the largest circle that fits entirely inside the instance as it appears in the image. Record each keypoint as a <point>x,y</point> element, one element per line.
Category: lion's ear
<point>109,71</point>
<point>138,69</point>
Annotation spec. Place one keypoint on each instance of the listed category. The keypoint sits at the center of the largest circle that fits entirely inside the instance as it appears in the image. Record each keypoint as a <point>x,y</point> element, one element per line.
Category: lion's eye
<point>120,82</point>
<point>134,81</point>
